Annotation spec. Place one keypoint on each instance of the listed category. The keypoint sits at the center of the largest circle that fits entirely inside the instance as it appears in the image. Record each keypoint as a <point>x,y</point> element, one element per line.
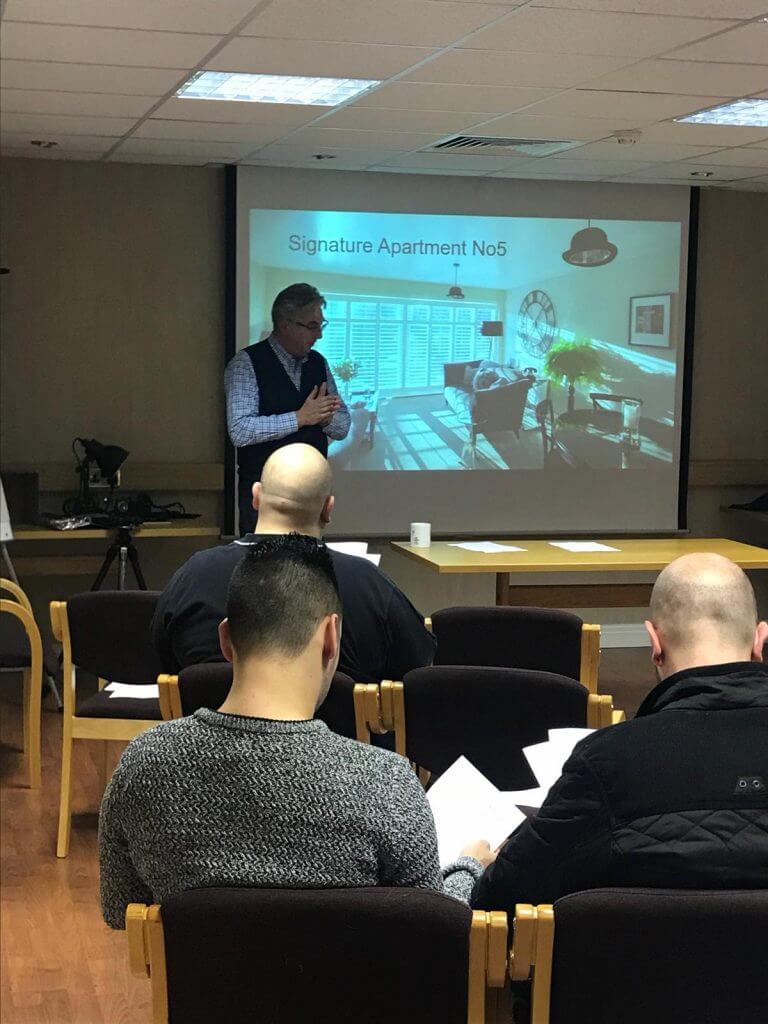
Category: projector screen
<point>510,352</point>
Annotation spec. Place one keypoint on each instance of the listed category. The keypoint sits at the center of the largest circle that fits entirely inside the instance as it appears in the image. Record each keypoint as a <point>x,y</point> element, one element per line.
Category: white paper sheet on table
<point>580,545</point>
<point>135,691</point>
<point>547,759</point>
<point>466,806</point>
<point>485,547</point>
<point>349,547</point>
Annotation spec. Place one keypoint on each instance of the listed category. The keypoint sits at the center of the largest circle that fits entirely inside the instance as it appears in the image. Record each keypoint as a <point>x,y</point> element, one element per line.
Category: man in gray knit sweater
<point>259,793</point>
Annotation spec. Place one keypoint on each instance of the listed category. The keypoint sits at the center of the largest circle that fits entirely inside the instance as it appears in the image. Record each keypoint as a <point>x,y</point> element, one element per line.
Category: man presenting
<point>279,391</point>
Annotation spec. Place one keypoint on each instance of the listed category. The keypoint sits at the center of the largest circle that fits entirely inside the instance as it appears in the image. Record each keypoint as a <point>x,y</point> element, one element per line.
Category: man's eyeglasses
<point>313,325</point>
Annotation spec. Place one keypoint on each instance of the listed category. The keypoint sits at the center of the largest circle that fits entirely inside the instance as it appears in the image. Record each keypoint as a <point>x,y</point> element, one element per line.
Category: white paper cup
<point>421,535</point>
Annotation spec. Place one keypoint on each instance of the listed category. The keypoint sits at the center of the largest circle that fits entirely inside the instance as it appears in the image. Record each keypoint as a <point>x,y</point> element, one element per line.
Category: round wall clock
<point>537,324</point>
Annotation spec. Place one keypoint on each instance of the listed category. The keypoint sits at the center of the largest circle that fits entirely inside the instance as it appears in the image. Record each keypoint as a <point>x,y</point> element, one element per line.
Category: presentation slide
<point>510,353</point>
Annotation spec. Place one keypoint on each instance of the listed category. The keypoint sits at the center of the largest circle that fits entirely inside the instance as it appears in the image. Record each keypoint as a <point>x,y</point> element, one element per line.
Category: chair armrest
<point>138,954</point>
<point>56,611</point>
<point>170,697</point>
<point>18,593</point>
<point>368,716</point>
<point>522,953</point>
<point>496,957</point>
<point>590,656</point>
<point>601,712</point>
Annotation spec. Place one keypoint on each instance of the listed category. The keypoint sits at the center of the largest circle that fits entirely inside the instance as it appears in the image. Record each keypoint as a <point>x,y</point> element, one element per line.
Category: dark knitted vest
<point>278,395</point>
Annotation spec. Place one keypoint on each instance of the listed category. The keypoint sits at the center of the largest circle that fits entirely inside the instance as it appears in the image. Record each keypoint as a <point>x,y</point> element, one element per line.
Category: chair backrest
<point>488,715</point>
<point>109,633</point>
<point>345,955</point>
<point>639,955</point>
<point>502,408</point>
<point>207,685</point>
<point>533,638</point>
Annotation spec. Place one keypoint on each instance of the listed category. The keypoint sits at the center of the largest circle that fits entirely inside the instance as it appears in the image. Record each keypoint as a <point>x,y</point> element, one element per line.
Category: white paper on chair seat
<point>134,691</point>
<point>466,807</point>
<point>349,547</point>
<point>580,545</point>
<point>547,759</point>
<point>485,547</point>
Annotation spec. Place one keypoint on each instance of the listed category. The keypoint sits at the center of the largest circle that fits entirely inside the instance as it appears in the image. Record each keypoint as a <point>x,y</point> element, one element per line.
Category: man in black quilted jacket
<point>678,797</point>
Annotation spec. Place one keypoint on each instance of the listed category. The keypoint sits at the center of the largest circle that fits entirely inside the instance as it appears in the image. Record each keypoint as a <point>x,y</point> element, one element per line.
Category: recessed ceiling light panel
<point>237,87</point>
<point>747,113</point>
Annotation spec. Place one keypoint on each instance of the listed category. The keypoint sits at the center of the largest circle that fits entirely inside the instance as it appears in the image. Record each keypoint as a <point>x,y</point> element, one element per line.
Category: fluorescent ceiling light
<point>237,87</point>
<point>749,113</point>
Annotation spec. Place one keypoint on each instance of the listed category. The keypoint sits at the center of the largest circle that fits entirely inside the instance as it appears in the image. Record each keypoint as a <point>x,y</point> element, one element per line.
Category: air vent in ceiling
<point>488,146</point>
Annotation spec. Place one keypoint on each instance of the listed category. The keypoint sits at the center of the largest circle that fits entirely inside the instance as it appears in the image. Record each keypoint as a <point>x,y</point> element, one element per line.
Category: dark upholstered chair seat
<point>670,956</point>
<point>347,956</point>
<point>101,705</point>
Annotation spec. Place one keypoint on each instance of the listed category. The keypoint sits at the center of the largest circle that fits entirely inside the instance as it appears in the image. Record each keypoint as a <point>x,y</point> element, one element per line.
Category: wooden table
<point>61,564</point>
<point>638,555</point>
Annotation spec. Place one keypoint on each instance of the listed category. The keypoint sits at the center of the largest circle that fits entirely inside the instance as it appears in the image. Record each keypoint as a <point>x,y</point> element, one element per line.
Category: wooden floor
<point>59,963</point>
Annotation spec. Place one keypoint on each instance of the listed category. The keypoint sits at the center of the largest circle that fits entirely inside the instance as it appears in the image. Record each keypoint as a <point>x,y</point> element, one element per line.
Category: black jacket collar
<point>737,684</point>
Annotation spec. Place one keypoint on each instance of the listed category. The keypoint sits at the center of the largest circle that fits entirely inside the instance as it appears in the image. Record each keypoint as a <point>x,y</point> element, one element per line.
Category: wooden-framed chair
<point>30,664</point>
<point>207,685</point>
<point>107,634</point>
<point>486,714</point>
<point>542,639</point>
<point>290,955</point>
<point>670,955</point>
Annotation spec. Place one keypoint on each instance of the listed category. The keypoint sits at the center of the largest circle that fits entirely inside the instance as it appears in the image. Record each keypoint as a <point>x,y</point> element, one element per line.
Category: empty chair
<point>485,714</point>
<point>640,955</point>
<point>27,658</point>
<point>207,685</point>
<point>105,633</point>
<point>291,956</point>
<point>544,639</point>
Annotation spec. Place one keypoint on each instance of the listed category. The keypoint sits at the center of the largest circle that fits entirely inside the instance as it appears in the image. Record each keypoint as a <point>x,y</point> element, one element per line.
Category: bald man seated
<point>677,797</point>
<point>384,635</point>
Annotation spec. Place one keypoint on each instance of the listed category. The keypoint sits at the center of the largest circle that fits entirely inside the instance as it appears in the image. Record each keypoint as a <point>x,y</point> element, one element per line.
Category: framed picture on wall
<point>649,320</point>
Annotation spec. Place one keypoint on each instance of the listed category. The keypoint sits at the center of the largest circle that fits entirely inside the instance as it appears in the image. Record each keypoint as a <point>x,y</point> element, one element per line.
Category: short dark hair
<point>293,298</point>
<point>280,591</point>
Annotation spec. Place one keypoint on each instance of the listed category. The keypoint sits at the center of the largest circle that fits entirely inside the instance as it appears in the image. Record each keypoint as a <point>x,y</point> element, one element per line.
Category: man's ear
<point>256,495</point>
<point>225,640</point>
<point>657,654</point>
<point>761,635</point>
<point>327,510</point>
<point>331,639</point>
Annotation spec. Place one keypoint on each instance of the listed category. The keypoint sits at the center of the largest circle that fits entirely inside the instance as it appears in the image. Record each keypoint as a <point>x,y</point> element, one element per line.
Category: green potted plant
<point>346,371</point>
<point>570,361</point>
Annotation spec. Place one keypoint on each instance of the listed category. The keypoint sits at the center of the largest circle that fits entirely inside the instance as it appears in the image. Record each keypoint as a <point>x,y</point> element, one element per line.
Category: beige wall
<point>112,326</point>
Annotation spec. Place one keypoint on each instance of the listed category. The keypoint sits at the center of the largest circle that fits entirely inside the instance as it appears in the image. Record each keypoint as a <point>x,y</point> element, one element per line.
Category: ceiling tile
<point>238,113</point>
<point>716,136</point>
<point>80,143</point>
<point>405,22</point>
<point>338,60</point>
<point>93,78</point>
<point>175,147</point>
<point>546,30</point>
<point>740,156</point>
<point>31,153</point>
<point>442,172</point>
<point>213,16</point>
<point>548,71</point>
<point>203,131</point>
<point>337,138</point>
<point>22,41</point>
<point>745,45</point>
<point>375,118</point>
<point>176,159</point>
<point>630,107</point>
<point>305,154</point>
<point>51,126</point>
<point>427,96</point>
<point>683,170</point>
<point>573,165</point>
<point>690,78</point>
<point>39,101</point>
<point>691,8</point>
<point>645,152</point>
<point>528,126</point>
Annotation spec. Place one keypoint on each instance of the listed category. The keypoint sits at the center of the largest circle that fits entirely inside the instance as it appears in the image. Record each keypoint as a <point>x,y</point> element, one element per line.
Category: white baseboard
<point>623,634</point>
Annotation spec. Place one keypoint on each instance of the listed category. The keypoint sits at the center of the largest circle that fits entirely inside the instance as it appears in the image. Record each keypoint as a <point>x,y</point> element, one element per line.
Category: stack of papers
<point>136,691</point>
<point>466,806</point>
<point>580,545</point>
<point>485,547</point>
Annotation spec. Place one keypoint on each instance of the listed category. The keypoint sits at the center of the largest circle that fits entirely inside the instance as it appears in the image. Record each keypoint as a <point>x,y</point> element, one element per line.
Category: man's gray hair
<point>295,297</point>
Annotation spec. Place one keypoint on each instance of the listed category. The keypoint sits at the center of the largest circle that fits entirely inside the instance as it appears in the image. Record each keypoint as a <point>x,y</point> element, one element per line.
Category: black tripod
<point>124,550</point>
